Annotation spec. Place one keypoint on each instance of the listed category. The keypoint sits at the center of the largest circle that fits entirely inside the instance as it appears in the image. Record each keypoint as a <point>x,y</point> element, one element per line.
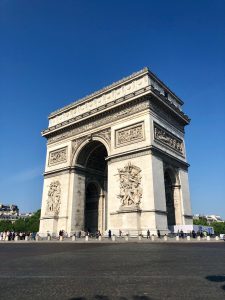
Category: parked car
<point>222,236</point>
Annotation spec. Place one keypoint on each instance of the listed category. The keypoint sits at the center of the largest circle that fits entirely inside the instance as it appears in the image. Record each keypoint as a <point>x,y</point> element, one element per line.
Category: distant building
<point>209,218</point>
<point>9,212</point>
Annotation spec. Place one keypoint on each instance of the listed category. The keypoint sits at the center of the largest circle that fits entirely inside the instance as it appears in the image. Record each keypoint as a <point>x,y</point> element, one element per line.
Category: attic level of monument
<point>117,160</point>
<point>139,84</point>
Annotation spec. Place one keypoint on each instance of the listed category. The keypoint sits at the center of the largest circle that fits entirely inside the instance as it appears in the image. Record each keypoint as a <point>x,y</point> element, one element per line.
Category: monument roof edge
<point>143,71</point>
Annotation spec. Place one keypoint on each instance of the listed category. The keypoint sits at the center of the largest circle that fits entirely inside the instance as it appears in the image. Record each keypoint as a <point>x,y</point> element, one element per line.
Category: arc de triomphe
<point>116,160</point>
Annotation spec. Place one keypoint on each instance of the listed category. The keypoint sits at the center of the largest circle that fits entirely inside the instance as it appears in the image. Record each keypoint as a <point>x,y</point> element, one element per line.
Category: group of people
<point>11,235</point>
<point>193,234</point>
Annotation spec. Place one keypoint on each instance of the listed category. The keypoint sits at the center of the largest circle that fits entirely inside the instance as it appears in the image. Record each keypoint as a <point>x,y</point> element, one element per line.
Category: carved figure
<point>130,190</point>
<point>54,198</point>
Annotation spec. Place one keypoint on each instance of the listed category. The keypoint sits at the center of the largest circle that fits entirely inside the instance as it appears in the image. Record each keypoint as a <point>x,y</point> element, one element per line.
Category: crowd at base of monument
<point>82,236</point>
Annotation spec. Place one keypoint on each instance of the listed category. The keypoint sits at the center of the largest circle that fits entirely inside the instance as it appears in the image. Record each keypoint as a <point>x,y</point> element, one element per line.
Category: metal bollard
<point>198,238</point>
<point>73,238</point>
<point>16,238</point>
<point>217,238</point>
<point>177,238</point>
<point>26,238</point>
<point>152,237</point>
<point>126,238</point>
<point>37,238</point>
<point>139,237</point>
<point>86,238</point>
<point>165,238</point>
<point>49,238</point>
<point>208,238</point>
<point>113,238</point>
<point>61,238</point>
<point>188,238</point>
<point>100,238</point>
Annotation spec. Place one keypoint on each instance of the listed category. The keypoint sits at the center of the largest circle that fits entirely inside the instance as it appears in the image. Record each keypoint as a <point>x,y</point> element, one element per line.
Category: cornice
<point>103,90</point>
<point>126,100</point>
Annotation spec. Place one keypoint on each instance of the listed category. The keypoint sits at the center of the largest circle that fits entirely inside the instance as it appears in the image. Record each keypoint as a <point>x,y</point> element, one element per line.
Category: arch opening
<point>169,192</point>
<point>92,160</point>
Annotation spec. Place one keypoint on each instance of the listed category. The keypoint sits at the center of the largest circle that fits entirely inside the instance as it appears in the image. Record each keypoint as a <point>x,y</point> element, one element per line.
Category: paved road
<point>112,271</point>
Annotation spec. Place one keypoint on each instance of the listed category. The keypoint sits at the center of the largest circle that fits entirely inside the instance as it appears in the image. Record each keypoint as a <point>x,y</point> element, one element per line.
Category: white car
<point>222,236</point>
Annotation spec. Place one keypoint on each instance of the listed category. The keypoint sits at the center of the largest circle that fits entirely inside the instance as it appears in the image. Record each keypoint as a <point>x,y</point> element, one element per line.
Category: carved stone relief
<point>57,156</point>
<point>102,120</point>
<point>130,134</point>
<point>130,189</point>
<point>168,139</point>
<point>54,199</point>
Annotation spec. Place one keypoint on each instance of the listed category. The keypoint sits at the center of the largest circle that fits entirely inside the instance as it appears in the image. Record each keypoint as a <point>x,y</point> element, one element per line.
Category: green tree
<point>200,221</point>
<point>6,225</point>
<point>219,227</point>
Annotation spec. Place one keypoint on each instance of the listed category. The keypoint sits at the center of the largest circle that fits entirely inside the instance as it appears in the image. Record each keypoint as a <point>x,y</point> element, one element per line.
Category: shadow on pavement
<point>217,278</point>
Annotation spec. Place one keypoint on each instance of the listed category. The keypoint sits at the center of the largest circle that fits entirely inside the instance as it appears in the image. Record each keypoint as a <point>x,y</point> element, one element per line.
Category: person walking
<point>158,233</point>
<point>109,234</point>
<point>148,234</point>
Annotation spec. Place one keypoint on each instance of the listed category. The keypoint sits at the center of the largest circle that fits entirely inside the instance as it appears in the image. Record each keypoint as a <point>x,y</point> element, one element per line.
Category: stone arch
<point>172,194</point>
<point>82,142</point>
<point>91,165</point>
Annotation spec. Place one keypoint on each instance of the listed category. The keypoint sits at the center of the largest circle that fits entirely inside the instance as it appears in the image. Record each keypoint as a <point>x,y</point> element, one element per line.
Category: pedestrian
<point>158,233</point>
<point>148,234</point>
<point>109,234</point>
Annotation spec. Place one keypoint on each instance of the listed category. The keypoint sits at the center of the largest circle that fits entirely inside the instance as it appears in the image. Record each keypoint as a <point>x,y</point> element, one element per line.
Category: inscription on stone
<point>57,156</point>
<point>168,139</point>
<point>130,134</point>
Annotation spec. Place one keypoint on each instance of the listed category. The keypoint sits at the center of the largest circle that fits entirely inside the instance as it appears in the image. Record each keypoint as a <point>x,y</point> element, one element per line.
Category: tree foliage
<point>30,224</point>
<point>219,227</point>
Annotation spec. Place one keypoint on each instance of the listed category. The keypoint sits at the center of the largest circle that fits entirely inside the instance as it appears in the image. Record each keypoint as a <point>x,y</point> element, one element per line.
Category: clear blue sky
<point>53,52</point>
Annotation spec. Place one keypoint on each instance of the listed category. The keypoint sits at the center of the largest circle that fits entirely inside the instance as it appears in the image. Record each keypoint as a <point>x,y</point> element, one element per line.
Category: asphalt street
<point>138,271</point>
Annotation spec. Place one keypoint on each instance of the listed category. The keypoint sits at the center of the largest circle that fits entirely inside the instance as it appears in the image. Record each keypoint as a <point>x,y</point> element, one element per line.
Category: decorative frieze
<point>102,97</point>
<point>130,134</point>
<point>54,199</point>
<point>57,156</point>
<point>168,139</point>
<point>130,189</point>
<point>101,120</point>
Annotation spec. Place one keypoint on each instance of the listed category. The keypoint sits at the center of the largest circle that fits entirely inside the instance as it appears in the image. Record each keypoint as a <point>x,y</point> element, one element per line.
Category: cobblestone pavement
<point>137,271</point>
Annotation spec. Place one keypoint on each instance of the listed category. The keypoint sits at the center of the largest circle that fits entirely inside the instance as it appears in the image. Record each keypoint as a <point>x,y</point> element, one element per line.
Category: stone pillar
<point>177,204</point>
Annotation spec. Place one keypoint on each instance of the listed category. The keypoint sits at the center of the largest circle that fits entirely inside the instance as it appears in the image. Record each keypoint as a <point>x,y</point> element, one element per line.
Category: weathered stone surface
<point>116,160</point>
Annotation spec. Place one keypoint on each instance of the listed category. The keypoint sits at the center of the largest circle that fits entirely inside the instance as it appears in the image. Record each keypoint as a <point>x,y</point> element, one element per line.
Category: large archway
<point>169,191</point>
<point>92,163</point>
